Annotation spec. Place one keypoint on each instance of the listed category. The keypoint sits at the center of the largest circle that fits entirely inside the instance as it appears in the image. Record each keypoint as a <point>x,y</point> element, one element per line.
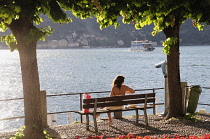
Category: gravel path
<point>157,127</point>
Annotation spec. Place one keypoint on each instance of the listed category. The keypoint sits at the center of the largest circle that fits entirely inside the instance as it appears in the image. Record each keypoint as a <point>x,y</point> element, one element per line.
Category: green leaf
<point>113,4</point>
<point>3,27</point>
<point>38,20</point>
<point>13,46</point>
<point>138,26</point>
<point>167,44</point>
<point>200,27</point>
<point>46,31</point>
<point>110,22</point>
<point>57,14</point>
<point>10,41</point>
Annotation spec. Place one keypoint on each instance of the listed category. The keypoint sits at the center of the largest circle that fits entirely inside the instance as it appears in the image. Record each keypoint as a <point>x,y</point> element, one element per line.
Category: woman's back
<point>121,91</point>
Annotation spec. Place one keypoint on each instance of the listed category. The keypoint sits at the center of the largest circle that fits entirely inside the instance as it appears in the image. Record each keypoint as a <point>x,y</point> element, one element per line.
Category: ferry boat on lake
<point>144,45</point>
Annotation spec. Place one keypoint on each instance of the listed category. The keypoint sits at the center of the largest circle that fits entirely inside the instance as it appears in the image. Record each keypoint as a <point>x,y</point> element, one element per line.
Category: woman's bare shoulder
<point>115,87</point>
<point>124,86</point>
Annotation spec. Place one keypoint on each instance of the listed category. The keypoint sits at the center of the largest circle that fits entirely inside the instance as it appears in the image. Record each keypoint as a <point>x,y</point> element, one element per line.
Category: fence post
<point>70,117</point>
<point>156,106</point>
<point>44,108</point>
<point>52,119</point>
<point>184,91</point>
<point>49,119</point>
<point>154,109</point>
<point>80,98</point>
<point>118,115</point>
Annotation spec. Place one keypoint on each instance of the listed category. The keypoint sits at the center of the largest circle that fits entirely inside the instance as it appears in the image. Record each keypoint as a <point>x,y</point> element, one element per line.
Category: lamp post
<point>163,65</point>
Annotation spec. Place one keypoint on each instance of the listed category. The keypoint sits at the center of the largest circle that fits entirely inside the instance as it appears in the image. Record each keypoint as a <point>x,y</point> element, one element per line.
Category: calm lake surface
<point>92,70</point>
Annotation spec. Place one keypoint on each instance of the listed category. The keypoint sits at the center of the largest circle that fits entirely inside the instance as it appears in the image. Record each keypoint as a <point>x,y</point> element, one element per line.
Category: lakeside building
<point>62,43</point>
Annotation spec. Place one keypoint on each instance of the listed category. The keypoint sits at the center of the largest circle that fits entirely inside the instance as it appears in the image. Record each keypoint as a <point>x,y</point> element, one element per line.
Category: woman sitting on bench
<point>119,89</point>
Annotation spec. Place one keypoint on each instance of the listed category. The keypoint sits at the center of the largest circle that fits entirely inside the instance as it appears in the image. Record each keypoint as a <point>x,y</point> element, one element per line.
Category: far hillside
<point>189,35</point>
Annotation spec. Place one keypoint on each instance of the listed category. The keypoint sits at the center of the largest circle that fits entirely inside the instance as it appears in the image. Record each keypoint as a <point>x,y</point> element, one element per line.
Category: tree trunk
<point>174,86</point>
<point>30,79</point>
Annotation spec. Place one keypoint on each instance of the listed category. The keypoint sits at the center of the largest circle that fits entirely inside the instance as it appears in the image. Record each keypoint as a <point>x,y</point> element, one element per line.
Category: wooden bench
<point>141,102</point>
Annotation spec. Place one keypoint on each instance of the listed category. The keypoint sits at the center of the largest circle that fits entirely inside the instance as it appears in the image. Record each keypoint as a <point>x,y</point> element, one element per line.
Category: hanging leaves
<point>98,5</point>
<point>167,44</point>
<point>198,25</point>
<point>10,41</point>
<point>38,34</point>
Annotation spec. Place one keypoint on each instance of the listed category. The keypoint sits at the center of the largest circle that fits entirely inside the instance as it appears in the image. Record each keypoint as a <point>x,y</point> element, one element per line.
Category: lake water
<point>90,70</point>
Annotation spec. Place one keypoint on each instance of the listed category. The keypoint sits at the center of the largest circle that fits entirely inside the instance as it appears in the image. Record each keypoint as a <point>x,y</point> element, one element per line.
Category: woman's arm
<point>129,90</point>
<point>112,93</point>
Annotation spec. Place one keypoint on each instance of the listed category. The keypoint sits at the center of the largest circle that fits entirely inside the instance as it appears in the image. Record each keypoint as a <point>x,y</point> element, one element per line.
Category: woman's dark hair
<point>118,81</point>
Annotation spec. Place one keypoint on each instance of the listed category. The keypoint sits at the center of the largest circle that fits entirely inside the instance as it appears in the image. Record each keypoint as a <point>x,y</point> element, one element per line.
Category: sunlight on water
<point>86,70</point>
<point>10,74</point>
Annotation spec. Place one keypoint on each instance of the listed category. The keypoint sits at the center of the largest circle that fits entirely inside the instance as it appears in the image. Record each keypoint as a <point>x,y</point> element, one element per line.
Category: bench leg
<point>87,122</point>
<point>94,115</point>
<point>95,122</point>
<point>137,116</point>
<point>145,117</point>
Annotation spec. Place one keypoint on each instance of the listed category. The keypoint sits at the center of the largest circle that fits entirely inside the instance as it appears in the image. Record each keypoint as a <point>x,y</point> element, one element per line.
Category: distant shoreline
<point>4,48</point>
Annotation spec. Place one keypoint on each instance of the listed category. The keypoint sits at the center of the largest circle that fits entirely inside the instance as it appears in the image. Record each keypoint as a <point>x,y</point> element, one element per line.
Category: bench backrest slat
<point>119,100</point>
<point>104,99</point>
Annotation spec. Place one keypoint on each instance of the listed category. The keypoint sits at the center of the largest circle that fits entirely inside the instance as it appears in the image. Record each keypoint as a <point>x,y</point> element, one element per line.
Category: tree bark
<point>174,86</point>
<point>30,79</point>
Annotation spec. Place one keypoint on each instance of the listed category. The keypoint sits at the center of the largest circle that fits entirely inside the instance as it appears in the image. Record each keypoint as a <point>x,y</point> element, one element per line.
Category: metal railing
<point>80,98</point>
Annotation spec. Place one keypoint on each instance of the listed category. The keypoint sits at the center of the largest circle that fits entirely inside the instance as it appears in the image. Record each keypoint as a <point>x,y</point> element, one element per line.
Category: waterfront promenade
<point>157,127</point>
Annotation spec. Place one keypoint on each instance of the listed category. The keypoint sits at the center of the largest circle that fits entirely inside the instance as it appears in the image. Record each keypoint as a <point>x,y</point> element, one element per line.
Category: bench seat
<point>104,110</point>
